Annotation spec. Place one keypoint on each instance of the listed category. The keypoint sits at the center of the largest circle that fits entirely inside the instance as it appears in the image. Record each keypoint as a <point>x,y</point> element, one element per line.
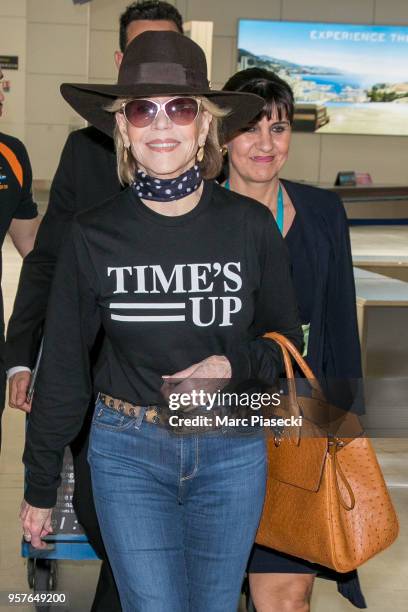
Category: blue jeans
<point>178,513</point>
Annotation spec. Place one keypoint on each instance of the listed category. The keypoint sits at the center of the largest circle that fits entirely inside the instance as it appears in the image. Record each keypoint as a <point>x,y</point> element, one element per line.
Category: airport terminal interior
<point>46,42</point>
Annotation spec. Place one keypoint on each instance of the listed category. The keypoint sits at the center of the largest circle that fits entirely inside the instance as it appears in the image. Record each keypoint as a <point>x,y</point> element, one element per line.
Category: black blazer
<point>334,348</point>
<point>86,176</point>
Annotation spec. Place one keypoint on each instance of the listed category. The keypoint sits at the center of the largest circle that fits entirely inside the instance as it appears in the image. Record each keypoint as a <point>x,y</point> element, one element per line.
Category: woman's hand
<point>19,384</point>
<point>208,376</point>
<point>36,524</point>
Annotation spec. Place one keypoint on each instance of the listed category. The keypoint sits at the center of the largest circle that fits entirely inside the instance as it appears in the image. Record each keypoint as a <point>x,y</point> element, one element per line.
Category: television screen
<point>347,79</point>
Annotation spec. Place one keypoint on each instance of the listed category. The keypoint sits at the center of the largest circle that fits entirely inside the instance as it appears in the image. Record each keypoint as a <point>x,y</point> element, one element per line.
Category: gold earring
<point>200,154</point>
<point>224,150</point>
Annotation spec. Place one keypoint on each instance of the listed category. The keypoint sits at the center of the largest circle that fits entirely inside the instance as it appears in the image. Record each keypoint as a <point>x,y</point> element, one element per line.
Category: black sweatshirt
<point>168,292</point>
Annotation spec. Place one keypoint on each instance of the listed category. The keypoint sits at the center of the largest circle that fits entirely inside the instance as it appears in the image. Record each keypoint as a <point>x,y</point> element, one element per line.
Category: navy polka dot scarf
<point>166,190</point>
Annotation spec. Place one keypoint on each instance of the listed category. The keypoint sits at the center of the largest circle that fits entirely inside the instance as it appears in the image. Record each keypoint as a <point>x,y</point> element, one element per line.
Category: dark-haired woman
<point>314,226</point>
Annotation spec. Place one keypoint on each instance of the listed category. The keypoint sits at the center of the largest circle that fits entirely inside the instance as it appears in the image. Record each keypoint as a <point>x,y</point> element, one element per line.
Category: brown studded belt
<point>132,410</point>
<point>152,414</point>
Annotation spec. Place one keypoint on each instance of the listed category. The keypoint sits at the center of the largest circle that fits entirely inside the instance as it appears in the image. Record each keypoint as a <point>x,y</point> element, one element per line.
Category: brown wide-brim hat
<point>160,63</point>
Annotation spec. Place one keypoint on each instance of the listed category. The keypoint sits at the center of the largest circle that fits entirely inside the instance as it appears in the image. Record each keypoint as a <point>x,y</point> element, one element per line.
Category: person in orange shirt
<point>19,216</point>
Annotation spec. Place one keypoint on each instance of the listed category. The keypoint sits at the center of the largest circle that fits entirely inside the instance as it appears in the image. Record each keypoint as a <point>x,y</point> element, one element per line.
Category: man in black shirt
<point>86,176</point>
<point>19,216</point>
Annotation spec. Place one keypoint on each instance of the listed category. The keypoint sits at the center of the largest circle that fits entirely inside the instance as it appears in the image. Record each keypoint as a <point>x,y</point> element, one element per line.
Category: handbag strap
<point>284,343</point>
<point>338,471</point>
<point>288,349</point>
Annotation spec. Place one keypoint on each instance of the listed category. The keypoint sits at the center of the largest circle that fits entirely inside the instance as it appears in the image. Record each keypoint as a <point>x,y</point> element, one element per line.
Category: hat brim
<point>90,102</point>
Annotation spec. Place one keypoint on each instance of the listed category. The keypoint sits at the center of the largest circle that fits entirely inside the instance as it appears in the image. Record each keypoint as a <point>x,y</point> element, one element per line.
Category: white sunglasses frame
<point>160,106</point>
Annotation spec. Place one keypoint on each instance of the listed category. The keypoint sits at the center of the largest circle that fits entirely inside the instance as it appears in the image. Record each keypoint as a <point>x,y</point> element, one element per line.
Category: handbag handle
<point>284,343</point>
<point>292,395</point>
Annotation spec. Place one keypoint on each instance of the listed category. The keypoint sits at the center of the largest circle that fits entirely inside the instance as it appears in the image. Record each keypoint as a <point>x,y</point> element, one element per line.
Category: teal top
<point>279,211</point>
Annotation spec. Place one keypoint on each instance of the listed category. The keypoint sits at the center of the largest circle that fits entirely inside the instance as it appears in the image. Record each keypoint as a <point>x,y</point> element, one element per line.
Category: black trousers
<point>106,596</point>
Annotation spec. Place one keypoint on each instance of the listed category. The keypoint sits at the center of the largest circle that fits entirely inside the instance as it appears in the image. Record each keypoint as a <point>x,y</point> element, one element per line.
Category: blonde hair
<point>211,163</point>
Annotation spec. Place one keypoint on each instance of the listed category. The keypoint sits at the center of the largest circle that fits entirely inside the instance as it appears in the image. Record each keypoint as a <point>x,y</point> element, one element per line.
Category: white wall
<point>57,51</point>
<point>67,42</point>
<point>13,24</point>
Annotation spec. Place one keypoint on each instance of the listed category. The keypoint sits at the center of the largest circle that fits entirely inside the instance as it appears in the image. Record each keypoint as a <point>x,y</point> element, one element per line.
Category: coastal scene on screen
<point>346,78</point>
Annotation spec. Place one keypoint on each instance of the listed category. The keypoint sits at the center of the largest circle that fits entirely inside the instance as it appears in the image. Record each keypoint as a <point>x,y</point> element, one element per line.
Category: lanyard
<point>279,211</point>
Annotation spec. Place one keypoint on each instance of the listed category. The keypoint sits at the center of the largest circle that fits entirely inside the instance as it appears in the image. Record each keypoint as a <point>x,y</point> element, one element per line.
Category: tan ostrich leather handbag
<point>326,499</point>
